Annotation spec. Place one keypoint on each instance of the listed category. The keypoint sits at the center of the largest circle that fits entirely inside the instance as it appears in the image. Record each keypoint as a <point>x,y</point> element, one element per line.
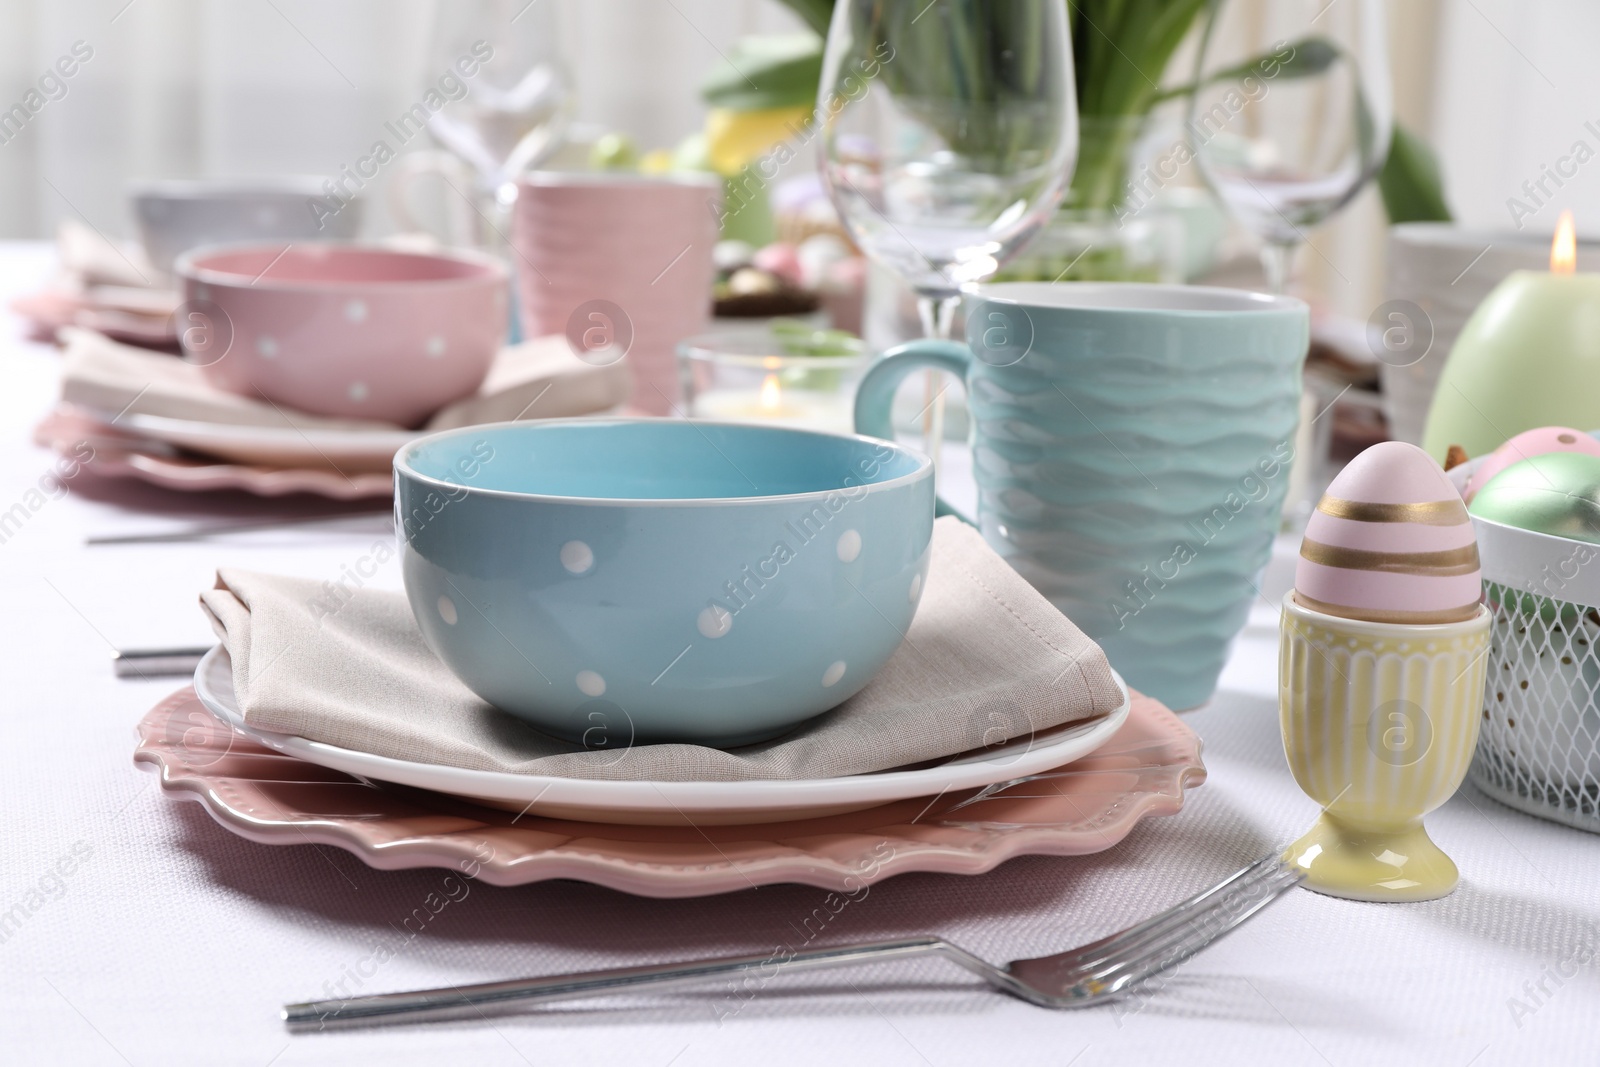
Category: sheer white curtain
<point>1506,90</point>
<point>1519,88</point>
<point>1345,267</point>
<point>212,87</point>
<point>180,87</point>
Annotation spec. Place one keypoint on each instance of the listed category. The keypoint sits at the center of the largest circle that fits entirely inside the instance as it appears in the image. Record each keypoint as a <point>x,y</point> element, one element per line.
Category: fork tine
<point>1172,922</point>
<point>1184,911</point>
<point>1117,974</point>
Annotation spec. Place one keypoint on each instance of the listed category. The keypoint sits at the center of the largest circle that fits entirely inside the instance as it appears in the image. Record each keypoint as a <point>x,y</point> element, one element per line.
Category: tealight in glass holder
<point>788,374</point>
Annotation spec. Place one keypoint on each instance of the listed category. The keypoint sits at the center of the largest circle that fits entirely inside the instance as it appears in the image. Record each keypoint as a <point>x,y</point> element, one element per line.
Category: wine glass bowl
<point>1290,114</point>
<point>949,132</point>
<point>518,103</point>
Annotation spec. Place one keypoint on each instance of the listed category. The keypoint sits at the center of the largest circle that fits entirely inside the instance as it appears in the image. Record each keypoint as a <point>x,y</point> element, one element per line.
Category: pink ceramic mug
<point>620,264</point>
<point>348,331</point>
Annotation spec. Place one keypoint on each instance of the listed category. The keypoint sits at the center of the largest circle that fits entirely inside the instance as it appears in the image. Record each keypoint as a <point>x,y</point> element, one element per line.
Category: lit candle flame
<point>1564,249</point>
<point>771,395</point>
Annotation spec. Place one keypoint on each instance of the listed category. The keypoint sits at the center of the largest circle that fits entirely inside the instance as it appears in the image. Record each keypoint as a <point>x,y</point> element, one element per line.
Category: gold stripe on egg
<point>1430,513</point>
<point>1394,618</point>
<point>1444,564</point>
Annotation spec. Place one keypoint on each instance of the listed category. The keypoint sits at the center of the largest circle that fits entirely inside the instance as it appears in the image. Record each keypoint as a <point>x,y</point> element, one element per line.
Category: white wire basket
<point>1539,742</point>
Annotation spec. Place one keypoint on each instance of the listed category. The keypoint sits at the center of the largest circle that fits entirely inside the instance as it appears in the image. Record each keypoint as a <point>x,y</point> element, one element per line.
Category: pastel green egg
<point>1557,493</point>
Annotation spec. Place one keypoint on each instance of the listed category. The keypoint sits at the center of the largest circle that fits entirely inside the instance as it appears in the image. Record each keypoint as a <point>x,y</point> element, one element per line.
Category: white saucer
<point>675,803</point>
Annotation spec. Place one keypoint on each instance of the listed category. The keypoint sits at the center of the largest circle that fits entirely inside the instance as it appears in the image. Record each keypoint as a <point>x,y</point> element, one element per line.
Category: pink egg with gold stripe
<point>1390,541</point>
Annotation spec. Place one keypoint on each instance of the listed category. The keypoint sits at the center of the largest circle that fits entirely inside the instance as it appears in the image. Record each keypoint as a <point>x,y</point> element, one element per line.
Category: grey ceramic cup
<point>1132,447</point>
<point>177,215</point>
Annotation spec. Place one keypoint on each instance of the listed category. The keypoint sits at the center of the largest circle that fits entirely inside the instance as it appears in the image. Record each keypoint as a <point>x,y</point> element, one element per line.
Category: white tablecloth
<point>173,941</point>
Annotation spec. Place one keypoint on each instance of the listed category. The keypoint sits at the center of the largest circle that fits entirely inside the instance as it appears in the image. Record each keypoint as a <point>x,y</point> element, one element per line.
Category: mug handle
<point>875,395</point>
<point>404,182</point>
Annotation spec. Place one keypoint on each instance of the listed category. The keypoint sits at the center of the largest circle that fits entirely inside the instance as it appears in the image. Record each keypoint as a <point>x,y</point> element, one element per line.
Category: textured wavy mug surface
<point>621,263</point>
<point>1132,446</point>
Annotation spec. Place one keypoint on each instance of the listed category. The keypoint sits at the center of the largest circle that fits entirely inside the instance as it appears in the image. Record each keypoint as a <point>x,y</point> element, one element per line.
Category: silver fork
<point>1079,978</point>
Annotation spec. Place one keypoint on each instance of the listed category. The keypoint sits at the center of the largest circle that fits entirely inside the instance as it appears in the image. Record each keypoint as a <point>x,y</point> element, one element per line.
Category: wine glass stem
<point>937,311</point>
<point>494,211</point>
<point>1276,259</point>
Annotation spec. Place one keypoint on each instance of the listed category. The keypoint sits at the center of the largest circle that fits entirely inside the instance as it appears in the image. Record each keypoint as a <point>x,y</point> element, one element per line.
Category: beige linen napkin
<point>536,379</point>
<point>93,259</point>
<point>986,659</point>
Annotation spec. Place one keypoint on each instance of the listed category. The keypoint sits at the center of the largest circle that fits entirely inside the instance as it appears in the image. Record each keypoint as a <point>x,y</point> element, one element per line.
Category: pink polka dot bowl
<point>342,330</point>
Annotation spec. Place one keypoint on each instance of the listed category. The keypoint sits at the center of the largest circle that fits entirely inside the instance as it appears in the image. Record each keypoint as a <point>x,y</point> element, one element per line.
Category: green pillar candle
<point>1528,357</point>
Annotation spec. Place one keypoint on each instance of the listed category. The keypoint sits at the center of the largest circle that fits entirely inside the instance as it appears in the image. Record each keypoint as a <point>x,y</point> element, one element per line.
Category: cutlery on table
<point>1078,978</point>
<point>204,532</point>
<point>156,662</point>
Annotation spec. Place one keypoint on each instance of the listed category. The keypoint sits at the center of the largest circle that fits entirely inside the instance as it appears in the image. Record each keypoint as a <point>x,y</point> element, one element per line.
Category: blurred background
<point>180,88</point>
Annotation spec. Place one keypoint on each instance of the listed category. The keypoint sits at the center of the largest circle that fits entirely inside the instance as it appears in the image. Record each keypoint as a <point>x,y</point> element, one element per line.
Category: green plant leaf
<point>767,71</point>
<point>1121,51</point>
<point>1409,181</point>
<point>1311,56</point>
<point>1118,46</point>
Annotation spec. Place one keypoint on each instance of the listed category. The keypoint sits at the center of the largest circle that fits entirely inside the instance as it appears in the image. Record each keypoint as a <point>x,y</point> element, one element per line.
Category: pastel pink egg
<point>848,273</point>
<point>781,259</point>
<point>1526,445</point>
<point>1390,541</point>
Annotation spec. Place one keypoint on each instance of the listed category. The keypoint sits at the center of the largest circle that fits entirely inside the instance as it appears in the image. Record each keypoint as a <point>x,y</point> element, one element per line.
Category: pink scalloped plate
<point>148,325</point>
<point>123,455</point>
<point>1086,806</point>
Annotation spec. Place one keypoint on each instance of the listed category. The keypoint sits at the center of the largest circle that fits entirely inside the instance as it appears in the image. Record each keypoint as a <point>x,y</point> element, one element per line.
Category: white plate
<point>275,446</point>
<point>674,803</point>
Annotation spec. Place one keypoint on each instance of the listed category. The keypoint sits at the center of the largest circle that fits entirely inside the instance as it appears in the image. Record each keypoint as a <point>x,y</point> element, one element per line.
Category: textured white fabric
<point>175,942</point>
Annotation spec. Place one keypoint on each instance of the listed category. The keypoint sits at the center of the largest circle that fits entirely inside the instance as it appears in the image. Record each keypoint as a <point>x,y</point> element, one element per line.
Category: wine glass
<point>949,133</point>
<point>1290,114</point>
<point>517,101</point>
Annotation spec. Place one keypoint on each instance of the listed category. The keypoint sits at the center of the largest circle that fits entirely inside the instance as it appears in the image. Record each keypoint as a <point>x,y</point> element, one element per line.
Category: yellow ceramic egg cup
<point>1379,724</point>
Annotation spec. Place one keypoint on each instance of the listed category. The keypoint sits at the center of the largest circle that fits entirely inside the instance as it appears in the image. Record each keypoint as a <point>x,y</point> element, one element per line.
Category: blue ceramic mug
<point>1132,446</point>
<point>613,581</point>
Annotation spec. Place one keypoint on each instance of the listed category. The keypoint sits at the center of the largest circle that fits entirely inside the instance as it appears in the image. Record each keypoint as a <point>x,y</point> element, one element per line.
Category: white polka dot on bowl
<point>577,557</point>
<point>714,621</point>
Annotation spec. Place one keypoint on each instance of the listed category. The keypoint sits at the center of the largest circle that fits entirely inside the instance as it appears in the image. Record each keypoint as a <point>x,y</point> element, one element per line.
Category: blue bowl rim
<point>403,467</point>
<point>1246,301</point>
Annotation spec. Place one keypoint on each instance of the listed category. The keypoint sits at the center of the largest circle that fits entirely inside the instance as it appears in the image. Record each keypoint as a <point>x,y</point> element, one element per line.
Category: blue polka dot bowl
<point>622,581</point>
